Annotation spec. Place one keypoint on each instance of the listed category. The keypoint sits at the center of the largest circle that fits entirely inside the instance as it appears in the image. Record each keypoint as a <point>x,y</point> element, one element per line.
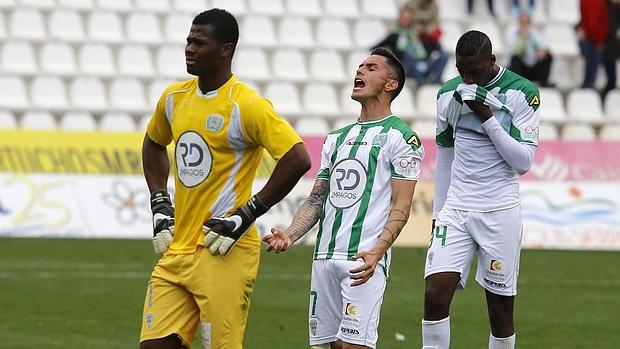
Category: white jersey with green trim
<point>481,180</point>
<point>359,162</point>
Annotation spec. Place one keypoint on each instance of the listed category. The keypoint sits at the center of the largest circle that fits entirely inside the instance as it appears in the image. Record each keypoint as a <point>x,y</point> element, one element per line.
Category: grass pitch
<point>66,293</point>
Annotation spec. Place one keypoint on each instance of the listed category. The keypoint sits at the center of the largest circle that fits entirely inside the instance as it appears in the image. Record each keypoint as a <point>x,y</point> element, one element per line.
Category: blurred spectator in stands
<point>612,49</point>
<point>517,9</point>
<point>594,36</point>
<point>426,19</point>
<point>419,50</point>
<point>470,7</point>
<point>530,56</point>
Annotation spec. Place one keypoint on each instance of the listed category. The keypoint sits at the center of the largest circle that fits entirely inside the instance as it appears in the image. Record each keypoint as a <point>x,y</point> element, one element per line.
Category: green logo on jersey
<point>379,140</point>
<point>215,122</point>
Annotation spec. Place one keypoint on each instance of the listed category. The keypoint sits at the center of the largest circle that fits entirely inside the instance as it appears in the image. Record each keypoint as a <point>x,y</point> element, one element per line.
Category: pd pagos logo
<point>347,183</point>
<point>193,158</point>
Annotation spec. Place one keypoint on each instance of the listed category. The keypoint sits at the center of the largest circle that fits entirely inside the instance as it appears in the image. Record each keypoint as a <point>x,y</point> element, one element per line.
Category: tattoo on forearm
<point>309,212</point>
<point>396,221</point>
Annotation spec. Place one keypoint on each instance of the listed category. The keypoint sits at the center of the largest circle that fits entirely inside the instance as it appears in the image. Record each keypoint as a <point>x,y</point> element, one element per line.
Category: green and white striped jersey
<point>359,162</point>
<point>481,180</point>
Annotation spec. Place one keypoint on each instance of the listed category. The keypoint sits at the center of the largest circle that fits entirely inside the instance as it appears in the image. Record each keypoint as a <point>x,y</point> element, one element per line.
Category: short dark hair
<point>472,43</point>
<point>398,70</point>
<point>224,24</point>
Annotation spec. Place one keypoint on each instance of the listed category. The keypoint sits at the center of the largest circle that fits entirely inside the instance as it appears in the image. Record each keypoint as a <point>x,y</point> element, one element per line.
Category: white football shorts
<point>495,235</point>
<point>340,311</point>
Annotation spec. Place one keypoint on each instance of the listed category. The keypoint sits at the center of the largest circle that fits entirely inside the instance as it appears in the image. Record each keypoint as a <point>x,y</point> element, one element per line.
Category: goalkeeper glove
<point>163,220</point>
<point>224,232</point>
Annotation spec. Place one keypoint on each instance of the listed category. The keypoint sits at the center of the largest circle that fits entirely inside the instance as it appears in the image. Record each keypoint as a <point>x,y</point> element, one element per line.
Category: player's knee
<point>435,295</point>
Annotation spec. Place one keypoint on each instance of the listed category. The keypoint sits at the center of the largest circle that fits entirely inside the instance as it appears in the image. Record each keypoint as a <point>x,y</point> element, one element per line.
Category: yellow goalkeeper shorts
<point>188,291</point>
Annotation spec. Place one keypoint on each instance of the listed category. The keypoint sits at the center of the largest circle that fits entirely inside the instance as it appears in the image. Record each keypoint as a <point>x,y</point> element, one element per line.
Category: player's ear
<point>227,49</point>
<point>390,85</point>
<point>492,59</point>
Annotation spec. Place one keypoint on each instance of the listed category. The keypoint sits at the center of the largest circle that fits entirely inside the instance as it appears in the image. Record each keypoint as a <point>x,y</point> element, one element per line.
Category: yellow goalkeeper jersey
<point>219,138</point>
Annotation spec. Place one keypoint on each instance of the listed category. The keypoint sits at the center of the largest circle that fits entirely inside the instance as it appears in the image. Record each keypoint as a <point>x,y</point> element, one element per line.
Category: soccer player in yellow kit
<point>210,246</point>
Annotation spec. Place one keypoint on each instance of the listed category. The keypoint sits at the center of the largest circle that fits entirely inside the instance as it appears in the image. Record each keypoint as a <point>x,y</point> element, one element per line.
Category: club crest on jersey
<point>214,122</point>
<point>502,98</point>
<point>379,140</point>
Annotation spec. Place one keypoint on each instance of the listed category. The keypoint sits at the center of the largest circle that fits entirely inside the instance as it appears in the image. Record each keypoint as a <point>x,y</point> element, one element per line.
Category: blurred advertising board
<point>90,184</point>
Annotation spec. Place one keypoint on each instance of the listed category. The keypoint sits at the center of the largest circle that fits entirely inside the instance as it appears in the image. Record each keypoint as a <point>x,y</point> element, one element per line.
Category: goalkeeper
<point>219,127</point>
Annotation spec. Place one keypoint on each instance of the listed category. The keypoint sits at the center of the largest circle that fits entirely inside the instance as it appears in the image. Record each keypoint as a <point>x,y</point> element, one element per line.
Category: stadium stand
<point>77,121</point>
<point>58,58</point>
<point>584,105</point>
<point>327,65</point>
<point>289,64</point>
<point>306,8</point>
<point>66,25</point>
<point>578,131</point>
<point>548,132</point>
<point>96,56</point>
<point>326,94</point>
<point>48,93</point>
<point>285,98</point>
<point>117,122</point>
<point>96,59</point>
<point>610,132</point>
<point>7,120</point>
<point>38,120</point>
<point>424,128</point>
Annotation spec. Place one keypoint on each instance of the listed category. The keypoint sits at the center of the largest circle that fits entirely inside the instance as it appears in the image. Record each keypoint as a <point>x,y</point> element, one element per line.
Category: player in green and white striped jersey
<point>487,133</point>
<point>362,197</point>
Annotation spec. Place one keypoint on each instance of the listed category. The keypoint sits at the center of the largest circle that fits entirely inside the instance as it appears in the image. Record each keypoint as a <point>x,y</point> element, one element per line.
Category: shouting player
<point>362,197</point>
<point>487,133</point>
<point>219,127</point>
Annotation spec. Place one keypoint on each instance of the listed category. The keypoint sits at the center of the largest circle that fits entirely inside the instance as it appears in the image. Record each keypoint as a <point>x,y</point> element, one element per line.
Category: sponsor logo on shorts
<point>431,255</point>
<point>495,265</point>
<point>205,334</point>
<point>350,309</point>
<point>346,330</point>
<point>495,271</point>
<point>149,319</point>
<point>495,284</point>
<point>351,318</point>
<point>313,324</point>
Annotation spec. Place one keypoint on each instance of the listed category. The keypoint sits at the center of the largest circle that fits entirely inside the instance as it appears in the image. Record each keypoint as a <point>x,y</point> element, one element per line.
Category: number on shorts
<point>440,234</point>
<point>313,297</point>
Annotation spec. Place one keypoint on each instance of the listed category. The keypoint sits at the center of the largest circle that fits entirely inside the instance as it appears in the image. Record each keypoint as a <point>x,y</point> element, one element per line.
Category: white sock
<point>502,343</point>
<point>436,334</point>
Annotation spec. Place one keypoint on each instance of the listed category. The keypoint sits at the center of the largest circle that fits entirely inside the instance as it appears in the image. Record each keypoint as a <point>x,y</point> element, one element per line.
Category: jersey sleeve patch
<point>414,140</point>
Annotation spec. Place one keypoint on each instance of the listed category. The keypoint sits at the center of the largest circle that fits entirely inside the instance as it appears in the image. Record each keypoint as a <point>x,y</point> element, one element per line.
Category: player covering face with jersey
<point>361,199</point>
<point>486,136</point>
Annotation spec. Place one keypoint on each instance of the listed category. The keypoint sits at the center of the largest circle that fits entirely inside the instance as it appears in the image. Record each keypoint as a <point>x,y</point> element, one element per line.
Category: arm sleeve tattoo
<point>309,212</point>
<point>396,220</point>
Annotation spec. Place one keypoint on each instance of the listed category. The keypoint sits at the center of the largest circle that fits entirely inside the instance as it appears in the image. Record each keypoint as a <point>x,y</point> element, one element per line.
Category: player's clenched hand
<point>277,240</point>
<point>481,110</point>
<point>365,271</point>
<point>222,233</point>
<point>163,220</point>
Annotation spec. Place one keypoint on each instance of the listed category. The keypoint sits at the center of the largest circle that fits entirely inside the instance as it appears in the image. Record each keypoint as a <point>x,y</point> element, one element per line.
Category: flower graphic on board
<point>130,204</point>
<point>3,210</point>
